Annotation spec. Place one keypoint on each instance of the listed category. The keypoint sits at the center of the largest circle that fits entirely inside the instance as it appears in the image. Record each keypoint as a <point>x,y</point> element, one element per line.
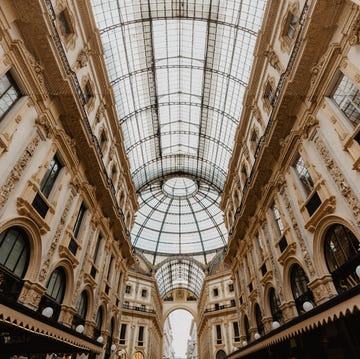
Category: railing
<point>138,309</point>
<point>221,307</point>
<point>75,83</point>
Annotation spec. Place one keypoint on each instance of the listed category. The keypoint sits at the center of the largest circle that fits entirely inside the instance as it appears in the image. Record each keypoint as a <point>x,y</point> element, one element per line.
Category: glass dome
<point>179,71</point>
<point>180,216</point>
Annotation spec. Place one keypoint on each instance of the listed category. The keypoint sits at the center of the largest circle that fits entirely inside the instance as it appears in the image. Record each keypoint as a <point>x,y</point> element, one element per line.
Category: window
<point>128,289</point>
<point>244,174</point>
<point>258,317</point>
<point>141,336</point>
<point>291,25</point>
<point>299,287</point>
<point>231,287</point>
<point>216,292</point>
<point>109,273</point>
<point>14,251</point>
<point>50,176</point>
<point>254,140</point>
<point>56,285</point>
<point>303,175</point>
<point>247,328</point>
<point>220,354</point>
<point>342,254</point>
<point>144,293</point>
<point>274,305</point>
<point>103,141</point>
<point>232,302</point>
<point>98,322</point>
<point>277,218</point>
<point>9,93</point>
<point>82,304</point>
<point>236,331</point>
<point>113,174</point>
<point>122,334</point>
<point>218,334</point>
<point>97,247</point>
<point>119,283</point>
<point>79,219</point>
<point>64,21</point>
<point>347,97</point>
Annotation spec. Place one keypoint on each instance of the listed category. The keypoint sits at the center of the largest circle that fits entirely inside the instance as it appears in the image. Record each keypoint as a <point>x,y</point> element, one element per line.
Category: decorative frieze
<point>338,177</point>
<point>17,171</point>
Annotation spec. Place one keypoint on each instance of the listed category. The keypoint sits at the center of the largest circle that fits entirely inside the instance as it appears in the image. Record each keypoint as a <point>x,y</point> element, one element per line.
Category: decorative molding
<point>55,241</point>
<point>17,171</point>
<point>336,174</point>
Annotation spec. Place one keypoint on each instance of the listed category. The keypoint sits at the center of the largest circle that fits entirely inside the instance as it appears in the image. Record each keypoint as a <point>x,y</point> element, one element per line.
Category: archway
<point>180,334</point>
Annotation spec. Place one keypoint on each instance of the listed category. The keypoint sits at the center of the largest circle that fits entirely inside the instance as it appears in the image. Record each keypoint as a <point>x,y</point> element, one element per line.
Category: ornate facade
<point>288,282</point>
<point>292,202</point>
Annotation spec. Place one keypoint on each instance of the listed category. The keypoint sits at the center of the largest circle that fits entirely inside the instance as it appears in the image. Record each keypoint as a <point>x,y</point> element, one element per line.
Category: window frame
<point>12,86</point>
<point>23,257</point>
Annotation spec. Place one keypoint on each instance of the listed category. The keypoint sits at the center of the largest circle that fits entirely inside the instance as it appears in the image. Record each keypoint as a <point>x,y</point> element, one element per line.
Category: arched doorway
<point>180,334</point>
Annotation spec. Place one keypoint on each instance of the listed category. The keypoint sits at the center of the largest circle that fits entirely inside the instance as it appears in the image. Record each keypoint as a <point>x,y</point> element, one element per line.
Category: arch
<point>56,285</point>
<point>299,287</point>
<point>69,275</point>
<point>342,256</point>
<point>176,306</point>
<point>245,324</point>
<point>289,263</point>
<point>99,320</point>
<point>14,251</point>
<point>82,305</point>
<point>220,354</point>
<point>274,305</point>
<point>34,238</point>
<point>319,239</point>
<point>258,319</point>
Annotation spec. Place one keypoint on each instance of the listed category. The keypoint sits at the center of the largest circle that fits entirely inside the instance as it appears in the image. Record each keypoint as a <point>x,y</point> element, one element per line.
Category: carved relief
<point>38,70</point>
<point>335,172</point>
<point>354,37</point>
<point>83,58</point>
<point>274,60</point>
<point>299,236</point>
<point>54,243</point>
<point>17,171</point>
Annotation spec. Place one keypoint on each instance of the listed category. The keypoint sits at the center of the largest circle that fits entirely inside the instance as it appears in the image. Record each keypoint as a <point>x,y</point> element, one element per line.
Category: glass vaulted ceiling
<point>179,70</point>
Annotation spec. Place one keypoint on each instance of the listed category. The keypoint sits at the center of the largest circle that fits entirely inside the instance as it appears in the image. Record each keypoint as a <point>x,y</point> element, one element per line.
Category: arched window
<point>98,322</point>
<point>138,355</point>
<point>14,251</point>
<point>299,287</point>
<point>258,317</point>
<point>56,285</point>
<point>55,291</point>
<point>220,354</point>
<point>342,254</point>
<point>275,306</point>
<point>82,305</point>
<point>109,339</point>
<point>247,328</point>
